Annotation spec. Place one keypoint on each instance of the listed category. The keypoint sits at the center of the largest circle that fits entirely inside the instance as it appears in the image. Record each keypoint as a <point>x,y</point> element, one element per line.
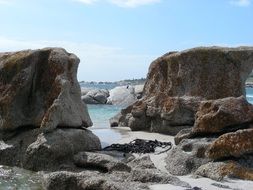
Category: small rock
<point>99,161</point>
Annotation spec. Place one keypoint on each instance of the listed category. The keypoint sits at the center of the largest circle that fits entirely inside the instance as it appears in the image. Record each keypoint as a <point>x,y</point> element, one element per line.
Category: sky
<point>118,39</point>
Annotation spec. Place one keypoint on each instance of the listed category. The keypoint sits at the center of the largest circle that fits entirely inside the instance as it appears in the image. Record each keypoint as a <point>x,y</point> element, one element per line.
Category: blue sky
<point>118,39</point>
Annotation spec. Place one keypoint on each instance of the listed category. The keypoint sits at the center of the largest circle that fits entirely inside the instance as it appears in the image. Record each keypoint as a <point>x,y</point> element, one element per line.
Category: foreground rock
<point>228,147</point>
<point>39,88</point>
<point>98,161</point>
<point>42,116</point>
<point>35,150</point>
<point>178,82</point>
<point>233,144</point>
<point>188,156</point>
<point>142,173</point>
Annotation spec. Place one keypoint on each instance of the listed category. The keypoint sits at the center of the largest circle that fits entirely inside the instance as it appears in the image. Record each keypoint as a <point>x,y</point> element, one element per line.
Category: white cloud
<point>6,2</point>
<point>98,62</point>
<point>132,3</point>
<point>241,3</point>
<point>87,1</point>
<point>122,3</point>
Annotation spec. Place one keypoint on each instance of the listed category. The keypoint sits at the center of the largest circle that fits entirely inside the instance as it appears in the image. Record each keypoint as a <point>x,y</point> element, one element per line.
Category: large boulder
<point>122,95</point>
<point>39,88</point>
<point>96,96</point>
<point>36,150</point>
<point>42,116</point>
<point>177,83</point>
<point>211,73</point>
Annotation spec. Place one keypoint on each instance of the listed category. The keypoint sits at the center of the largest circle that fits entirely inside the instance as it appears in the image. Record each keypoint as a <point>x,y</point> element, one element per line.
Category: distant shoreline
<point>117,83</point>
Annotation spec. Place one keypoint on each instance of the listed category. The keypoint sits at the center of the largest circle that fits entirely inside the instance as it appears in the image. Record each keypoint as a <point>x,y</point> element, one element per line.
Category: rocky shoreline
<point>120,95</point>
<point>195,97</point>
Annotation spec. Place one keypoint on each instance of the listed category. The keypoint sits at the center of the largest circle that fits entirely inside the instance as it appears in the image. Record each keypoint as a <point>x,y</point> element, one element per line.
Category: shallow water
<point>249,94</point>
<point>13,178</point>
<point>100,115</point>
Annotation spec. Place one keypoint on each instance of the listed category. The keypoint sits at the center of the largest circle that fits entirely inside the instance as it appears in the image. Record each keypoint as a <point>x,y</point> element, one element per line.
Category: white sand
<point>158,160</point>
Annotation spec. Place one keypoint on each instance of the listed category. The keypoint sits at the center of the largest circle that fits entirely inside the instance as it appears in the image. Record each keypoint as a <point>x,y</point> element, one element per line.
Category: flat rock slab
<point>102,162</point>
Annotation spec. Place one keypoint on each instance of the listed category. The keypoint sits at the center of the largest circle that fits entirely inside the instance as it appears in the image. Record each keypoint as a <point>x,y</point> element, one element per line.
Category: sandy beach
<point>158,160</point>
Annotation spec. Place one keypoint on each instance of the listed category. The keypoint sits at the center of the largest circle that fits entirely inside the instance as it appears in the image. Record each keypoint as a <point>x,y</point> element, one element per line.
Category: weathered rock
<point>103,162</point>
<point>232,144</point>
<point>156,176</point>
<point>218,170</point>
<point>36,151</point>
<point>88,180</point>
<point>223,115</point>
<point>183,134</point>
<point>187,156</point>
<point>211,170</point>
<point>143,162</point>
<point>114,121</point>
<point>106,184</point>
<point>39,88</point>
<point>122,95</point>
<point>178,82</point>
<point>84,91</point>
<point>138,90</point>
<point>96,96</point>
<point>211,73</point>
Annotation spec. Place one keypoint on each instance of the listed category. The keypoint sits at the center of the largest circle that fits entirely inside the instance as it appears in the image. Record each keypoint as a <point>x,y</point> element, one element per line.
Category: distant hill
<point>118,83</point>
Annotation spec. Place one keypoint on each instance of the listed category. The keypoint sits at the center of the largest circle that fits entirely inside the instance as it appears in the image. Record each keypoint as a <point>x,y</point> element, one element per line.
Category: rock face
<point>228,125</point>
<point>201,93</point>
<point>96,96</point>
<point>35,150</point>
<point>217,116</point>
<point>39,88</point>
<point>177,83</point>
<point>140,173</point>
<point>233,144</point>
<point>42,116</point>
<point>100,161</point>
<point>188,156</point>
<point>122,95</point>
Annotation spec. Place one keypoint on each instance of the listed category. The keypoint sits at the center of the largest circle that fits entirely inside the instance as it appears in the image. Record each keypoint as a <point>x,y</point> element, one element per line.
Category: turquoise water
<point>99,86</point>
<point>100,115</point>
<point>13,178</point>
<point>249,94</point>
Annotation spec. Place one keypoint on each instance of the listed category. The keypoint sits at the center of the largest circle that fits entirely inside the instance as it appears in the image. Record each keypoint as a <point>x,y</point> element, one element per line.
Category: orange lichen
<point>233,169</point>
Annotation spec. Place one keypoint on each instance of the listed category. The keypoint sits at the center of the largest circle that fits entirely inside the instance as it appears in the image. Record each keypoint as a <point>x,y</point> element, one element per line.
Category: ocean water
<point>99,86</point>
<point>249,95</point>
<point>100,115</point>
